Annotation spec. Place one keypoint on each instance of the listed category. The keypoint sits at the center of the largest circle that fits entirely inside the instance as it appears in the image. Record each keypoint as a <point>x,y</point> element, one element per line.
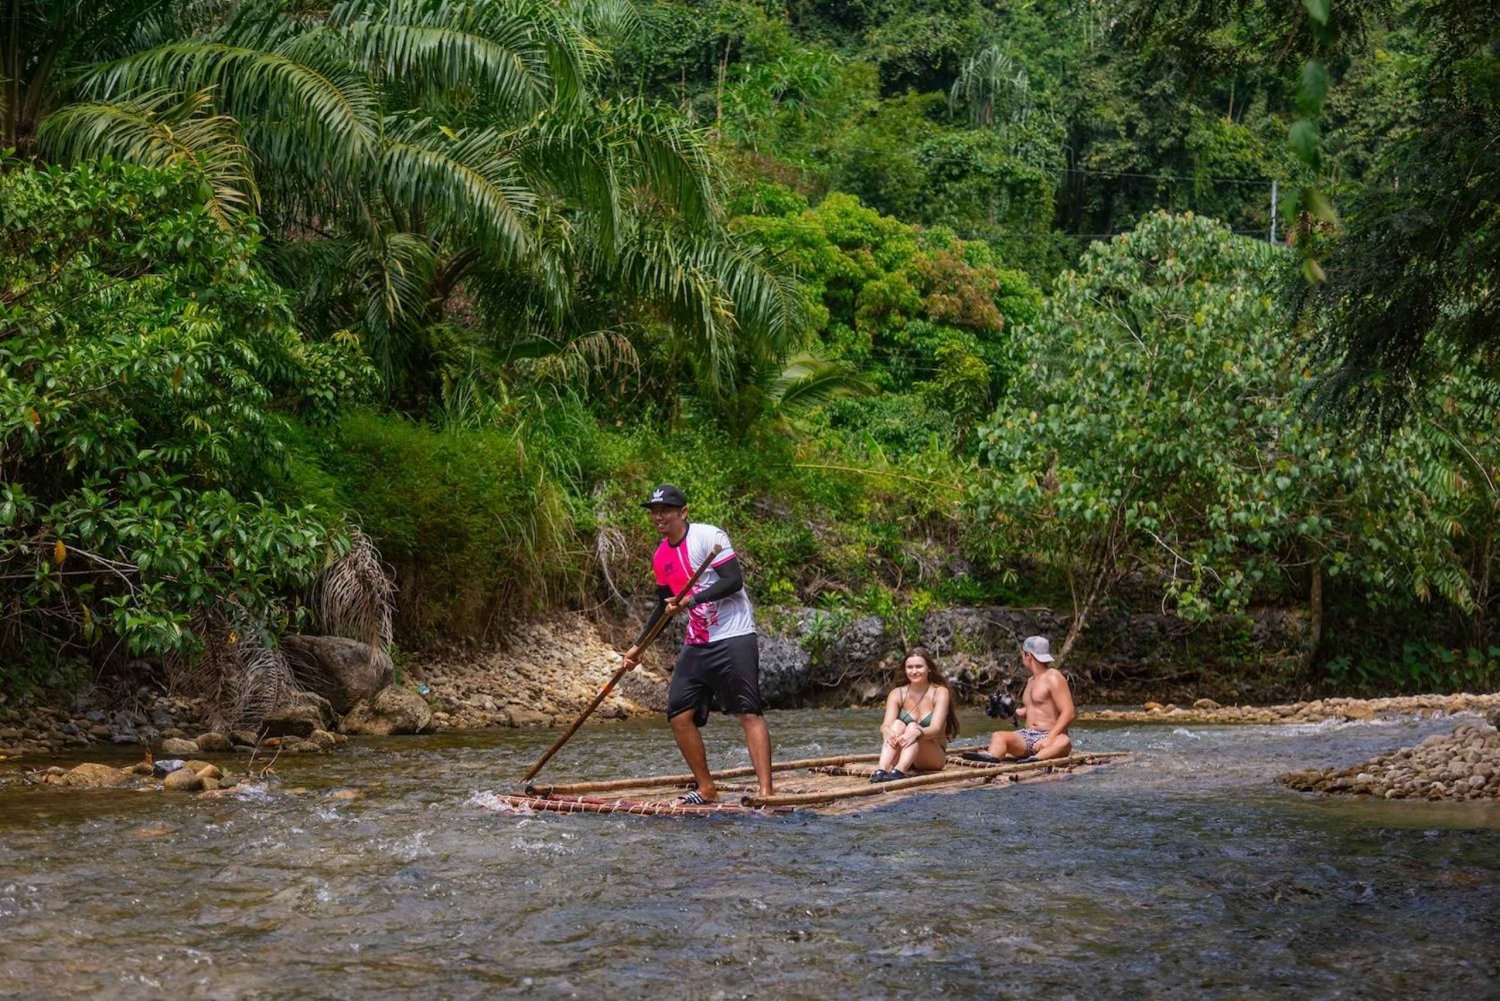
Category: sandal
<point>984,756</point>
<point>894,775</point>
<point>693,799</point>
<point>878,775</point>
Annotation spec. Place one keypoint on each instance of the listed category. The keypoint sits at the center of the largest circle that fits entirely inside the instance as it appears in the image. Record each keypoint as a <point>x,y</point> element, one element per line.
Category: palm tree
<point>422,166</point>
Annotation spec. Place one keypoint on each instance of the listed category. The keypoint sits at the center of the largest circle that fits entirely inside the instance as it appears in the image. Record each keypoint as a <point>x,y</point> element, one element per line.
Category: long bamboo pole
<point>609,685</point>
<point>653,781</point>
<point>921,781</point>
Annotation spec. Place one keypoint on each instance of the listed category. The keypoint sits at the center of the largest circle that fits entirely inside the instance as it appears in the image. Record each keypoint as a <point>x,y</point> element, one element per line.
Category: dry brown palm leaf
<point>356,596</point>
<point>238,677</point>
<point>609,542</point>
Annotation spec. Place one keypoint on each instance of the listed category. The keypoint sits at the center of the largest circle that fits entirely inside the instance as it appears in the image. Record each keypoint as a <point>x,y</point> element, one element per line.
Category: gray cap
<point>1039,647</point>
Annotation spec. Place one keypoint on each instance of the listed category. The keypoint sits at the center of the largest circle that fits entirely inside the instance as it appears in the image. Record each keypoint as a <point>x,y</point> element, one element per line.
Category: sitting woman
<point>919,721</point>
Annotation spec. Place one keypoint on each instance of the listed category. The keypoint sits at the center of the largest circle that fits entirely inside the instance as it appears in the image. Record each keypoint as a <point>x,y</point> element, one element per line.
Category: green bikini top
<point>907,717</point>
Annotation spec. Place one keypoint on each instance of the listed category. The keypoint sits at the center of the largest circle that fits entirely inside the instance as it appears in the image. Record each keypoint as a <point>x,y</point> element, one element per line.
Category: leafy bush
<point>142,358</point>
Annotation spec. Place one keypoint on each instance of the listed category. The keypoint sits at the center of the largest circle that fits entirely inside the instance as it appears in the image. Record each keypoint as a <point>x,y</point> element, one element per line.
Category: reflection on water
<point>1183,872</point>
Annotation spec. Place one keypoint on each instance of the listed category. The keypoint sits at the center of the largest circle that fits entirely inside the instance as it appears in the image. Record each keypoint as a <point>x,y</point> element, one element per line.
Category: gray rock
<point>343,671</point>
<point>393,710</point>
<point>163,767</point>
<point>785,669</point>
<point>176,747</point>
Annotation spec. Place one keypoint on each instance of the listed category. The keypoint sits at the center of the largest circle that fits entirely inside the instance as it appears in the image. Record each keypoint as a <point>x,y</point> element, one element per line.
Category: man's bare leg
<point>1007,742</point>
<point>758,740</point>
<point>690,742</point>
<point>1059,746</point>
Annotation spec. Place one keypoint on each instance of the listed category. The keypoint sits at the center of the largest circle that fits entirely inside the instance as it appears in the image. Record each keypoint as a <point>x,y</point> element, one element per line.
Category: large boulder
<point>343,671</point>
<point>213,743</point>
<point>392,710</point>
<point>785,668</point>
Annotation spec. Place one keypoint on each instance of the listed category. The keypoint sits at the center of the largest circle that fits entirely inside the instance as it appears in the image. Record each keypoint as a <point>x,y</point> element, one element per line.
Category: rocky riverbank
<point>150,718</point>
<point>1458,766</point>
<point>545,676</point>
<point>552,668</point>
<point>1317,711</point>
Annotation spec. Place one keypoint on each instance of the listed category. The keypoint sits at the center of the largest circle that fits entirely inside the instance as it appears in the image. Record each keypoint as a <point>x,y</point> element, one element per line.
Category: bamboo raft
<point>835,784</point>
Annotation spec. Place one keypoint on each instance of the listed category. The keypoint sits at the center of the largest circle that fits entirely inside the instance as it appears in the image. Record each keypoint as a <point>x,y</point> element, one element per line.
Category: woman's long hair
<point>935,677</point>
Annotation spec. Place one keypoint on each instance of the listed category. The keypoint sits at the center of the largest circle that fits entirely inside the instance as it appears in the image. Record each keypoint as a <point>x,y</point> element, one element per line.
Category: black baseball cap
<point>668,495</point>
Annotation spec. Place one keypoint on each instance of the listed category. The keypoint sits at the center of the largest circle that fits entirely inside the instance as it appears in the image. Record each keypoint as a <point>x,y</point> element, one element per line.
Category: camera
<point>1000,705</point>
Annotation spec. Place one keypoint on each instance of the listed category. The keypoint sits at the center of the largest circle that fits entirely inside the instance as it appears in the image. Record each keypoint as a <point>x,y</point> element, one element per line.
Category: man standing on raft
<point>719,653</point>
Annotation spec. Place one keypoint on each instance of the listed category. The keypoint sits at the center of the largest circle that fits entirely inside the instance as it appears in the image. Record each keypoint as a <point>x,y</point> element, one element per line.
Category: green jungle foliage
<point>144,359</point>
<point>914,310</point>
<point>925,301</point>
<point>1162,432</point>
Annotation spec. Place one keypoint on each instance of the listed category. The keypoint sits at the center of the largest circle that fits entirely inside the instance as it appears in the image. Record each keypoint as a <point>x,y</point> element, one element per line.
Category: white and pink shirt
<point>711,620</point>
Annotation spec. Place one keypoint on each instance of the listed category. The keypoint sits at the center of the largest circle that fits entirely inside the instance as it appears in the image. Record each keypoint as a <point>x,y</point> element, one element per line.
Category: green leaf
<point>1303,138</point>
<point>1313,88</point>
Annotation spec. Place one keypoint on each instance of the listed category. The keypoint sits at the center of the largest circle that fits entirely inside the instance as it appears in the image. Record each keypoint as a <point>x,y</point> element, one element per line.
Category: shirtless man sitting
<point>1046,711</point>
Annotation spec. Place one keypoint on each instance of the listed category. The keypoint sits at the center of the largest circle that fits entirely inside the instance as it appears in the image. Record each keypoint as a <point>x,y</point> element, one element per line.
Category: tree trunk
<point>1315,608</point>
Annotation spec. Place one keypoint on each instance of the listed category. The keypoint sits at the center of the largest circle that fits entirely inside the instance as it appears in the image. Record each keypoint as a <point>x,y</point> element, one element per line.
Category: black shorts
<point>724,674</point>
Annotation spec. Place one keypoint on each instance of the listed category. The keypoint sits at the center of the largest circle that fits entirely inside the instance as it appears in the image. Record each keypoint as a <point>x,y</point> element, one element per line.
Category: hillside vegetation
<point>1106,303</point>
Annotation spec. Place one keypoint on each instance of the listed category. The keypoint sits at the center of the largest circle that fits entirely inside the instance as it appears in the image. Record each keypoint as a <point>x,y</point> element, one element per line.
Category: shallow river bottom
<point>1183,872</point>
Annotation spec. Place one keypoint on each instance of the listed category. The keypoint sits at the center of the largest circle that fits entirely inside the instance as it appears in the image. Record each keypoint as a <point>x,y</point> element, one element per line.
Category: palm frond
<point>605,354</point>
<point>238,676</point>
<point>301,82</point>
<point>463,183</point>
<point>718,293</point>
<point>668,161</point>
<point>809,381</point>
<point>159,130</point>
<point>519,55</point>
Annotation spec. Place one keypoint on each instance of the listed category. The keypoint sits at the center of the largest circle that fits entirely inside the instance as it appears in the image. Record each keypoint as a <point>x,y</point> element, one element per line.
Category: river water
<point>1182,872</point>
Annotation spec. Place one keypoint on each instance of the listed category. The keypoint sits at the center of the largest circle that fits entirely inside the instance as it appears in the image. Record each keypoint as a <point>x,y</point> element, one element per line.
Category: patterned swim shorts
<point>1032,738</point>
